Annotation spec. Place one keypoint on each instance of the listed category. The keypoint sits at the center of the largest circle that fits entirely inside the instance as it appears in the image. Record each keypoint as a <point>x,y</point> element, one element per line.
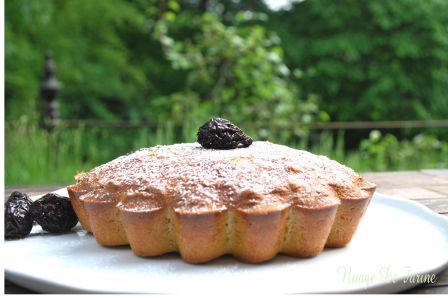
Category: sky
<point>278,4</point>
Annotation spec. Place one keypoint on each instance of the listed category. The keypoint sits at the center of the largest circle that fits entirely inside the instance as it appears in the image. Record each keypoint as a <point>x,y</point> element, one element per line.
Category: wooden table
<point>428,187</point>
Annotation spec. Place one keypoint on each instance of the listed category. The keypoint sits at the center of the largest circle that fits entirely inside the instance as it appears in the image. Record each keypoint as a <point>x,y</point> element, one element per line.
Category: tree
<point>370,60</point>
<point>236,72</point>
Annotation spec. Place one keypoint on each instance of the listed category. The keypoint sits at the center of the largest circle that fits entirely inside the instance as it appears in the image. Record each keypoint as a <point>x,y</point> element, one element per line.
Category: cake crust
<point>250,202</point>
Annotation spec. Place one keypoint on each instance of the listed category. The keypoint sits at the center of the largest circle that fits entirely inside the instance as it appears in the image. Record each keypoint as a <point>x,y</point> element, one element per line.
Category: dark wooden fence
<point>349,125</point>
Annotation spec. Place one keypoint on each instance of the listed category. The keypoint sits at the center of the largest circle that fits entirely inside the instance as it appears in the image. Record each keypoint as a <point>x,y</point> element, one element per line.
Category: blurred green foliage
<point>112,67</point>
<point>370,60</point>
<point>56,156</point>
<point>178,63</point>
<point>35,155</point>
<point>106,59</point>
<point>149,59</point>
<point>385,152</point>
<point>236,72</point>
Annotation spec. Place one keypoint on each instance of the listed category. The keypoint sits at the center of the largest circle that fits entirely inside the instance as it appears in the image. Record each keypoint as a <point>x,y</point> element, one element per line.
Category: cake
<point>252,203</point>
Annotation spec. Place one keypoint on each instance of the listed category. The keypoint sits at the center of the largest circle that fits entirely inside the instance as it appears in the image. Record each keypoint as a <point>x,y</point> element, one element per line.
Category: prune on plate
<point>54,213</point>
<point>220,133</point>
<point>18,220</point>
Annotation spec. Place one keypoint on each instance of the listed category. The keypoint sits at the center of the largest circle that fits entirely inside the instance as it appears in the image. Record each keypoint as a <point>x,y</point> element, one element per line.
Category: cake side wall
<point>348,216</point>
<point>78,207</point>
<point>251,235</point>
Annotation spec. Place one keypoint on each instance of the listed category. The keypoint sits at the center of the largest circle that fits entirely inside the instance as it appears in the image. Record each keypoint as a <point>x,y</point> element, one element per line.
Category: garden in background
<point>136,73</point>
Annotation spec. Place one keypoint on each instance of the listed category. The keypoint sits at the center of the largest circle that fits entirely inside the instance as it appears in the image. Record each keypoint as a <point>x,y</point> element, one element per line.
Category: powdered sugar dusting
<point>188,177</point>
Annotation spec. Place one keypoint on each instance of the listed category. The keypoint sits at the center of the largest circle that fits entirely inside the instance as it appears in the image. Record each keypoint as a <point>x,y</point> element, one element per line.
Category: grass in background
<point>37,156</point>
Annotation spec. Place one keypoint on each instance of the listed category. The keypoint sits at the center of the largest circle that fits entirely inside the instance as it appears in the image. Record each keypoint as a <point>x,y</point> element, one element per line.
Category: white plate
<point>396,238</point>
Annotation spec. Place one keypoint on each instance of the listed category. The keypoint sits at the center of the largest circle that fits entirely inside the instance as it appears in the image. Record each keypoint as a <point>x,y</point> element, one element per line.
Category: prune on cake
<point>220,133</point>
<point>18,220</point>
<point>54,213</point>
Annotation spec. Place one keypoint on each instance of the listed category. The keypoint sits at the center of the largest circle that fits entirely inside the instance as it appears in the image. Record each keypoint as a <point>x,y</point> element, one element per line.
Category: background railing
<point>339,125</point>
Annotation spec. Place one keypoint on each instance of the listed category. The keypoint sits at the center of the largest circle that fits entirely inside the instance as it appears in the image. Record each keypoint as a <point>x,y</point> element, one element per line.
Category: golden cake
<point>252,203</point>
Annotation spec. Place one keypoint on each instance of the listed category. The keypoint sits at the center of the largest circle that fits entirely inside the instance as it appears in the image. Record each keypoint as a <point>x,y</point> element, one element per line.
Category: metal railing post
<point>49,89</point>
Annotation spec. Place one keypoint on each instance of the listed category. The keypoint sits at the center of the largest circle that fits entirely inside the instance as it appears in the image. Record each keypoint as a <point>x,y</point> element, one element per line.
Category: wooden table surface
<point>428,187</point>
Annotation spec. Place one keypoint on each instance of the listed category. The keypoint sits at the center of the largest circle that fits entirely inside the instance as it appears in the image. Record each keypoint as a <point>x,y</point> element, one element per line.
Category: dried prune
<point>54,213</point>
<point>220,133</point>
<point>18,220</point>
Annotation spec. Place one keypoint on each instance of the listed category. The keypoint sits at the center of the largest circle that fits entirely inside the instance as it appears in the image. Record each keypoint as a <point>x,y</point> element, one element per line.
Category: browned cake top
<point>190,178</point>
